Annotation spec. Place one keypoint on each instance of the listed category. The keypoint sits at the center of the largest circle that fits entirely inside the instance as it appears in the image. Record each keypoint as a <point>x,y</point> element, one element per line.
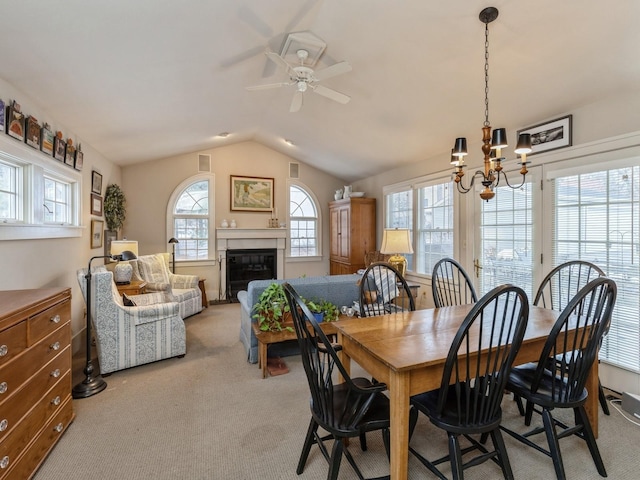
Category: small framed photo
<point>96,183</point>
<point>96,205</point>
<point>550,135</point>
<point>79,159</point>
<point>46,139</point>
<point>2,116</point>
<point>33,132</point>
<point>252,194</point>
<point>97,227</point>
<point>70,153</point>
<point>59,147</point>
<point>15,121</point>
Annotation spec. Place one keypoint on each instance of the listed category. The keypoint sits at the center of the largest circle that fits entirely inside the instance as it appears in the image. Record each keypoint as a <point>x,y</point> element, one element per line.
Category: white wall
<point>149,185</point>
<point>28,264</point>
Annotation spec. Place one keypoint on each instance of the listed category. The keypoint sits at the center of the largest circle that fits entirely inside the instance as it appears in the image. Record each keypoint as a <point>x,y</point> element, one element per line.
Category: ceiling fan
<point>305,78</point>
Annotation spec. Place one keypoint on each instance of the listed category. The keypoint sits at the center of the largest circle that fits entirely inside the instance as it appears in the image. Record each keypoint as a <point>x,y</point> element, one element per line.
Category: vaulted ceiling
<point>146,79</point>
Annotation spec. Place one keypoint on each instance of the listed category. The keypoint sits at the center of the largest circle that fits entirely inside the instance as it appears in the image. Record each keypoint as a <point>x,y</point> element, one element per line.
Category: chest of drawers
<point>35,377</point>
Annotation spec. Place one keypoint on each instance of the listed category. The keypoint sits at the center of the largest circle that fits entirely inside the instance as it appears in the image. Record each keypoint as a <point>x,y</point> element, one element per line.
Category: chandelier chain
<point>486,75</point>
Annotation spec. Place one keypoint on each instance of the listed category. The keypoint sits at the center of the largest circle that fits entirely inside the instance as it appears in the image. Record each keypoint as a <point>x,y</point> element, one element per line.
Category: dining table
<point>407,351</point>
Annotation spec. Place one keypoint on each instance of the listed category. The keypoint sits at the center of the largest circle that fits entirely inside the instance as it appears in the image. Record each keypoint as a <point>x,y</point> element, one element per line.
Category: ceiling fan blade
<point>331,94</point>
<point>278,60</point>
<point>296,103</point>
<point>267,86</point>
<point>332,71</point>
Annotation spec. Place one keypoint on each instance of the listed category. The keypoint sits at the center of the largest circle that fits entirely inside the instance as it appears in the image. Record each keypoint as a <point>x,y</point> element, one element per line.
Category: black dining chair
<point>451,285</point>
<point>384,290</point>
<point>467,403</point>
<point>559,287</point>
<point>558,379</point>
<point>345,410</point>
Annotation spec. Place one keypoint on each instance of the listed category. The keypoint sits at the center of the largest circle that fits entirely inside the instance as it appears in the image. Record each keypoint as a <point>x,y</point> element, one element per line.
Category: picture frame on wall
<point>96,205</point>
<point>33,132</point>
<point>46,139</point>
<point>550,135</point>
<point>97,227</point>
<point>59,147</point>
<point>252,194</point>
<point>2,116</point>
<point>79,159</point>
<point>96,183</point>
<point>15,121</point>
<point>70,153</point>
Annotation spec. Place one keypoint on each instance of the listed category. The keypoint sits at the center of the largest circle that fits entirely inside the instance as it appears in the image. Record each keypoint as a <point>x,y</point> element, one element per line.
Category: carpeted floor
<point>210,416</point>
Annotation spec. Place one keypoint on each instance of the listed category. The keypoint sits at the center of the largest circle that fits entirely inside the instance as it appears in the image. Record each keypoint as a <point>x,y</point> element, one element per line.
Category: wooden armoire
<point>352,232</point>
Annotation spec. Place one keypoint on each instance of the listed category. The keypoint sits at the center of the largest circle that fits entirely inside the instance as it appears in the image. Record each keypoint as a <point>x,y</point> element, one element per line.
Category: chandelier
<point>493,142</point>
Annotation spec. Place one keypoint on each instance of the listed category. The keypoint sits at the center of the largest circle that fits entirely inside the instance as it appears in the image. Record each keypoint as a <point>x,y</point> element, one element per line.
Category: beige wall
<point>148,187</point>
<point>44,263</point>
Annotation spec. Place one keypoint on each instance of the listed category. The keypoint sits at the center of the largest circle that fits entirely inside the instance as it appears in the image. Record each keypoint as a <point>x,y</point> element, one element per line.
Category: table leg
<point>262,358</point>
<point>592,404</point>
<point>399,404</point>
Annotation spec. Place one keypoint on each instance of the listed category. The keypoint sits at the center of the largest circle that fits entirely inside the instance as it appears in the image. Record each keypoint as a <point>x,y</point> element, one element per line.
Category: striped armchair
<point>154,269</point>
<point>130,336</point>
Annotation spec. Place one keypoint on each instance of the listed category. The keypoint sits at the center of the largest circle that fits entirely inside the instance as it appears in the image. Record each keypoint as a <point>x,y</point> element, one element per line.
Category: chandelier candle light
<point>493,143</point>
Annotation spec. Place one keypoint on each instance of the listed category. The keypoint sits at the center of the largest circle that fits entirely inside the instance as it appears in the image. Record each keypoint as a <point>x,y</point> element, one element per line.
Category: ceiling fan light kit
<point>303,77</point>
<point>493,142</point>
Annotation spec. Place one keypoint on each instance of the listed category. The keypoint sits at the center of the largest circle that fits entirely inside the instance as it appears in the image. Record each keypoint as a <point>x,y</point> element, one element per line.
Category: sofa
<point>154,269</point>
<point>338,289</point>
<point>127,336</point>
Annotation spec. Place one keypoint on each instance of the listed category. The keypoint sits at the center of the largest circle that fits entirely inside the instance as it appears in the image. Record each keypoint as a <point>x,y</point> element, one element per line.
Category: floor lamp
<point>94,384</point>
<point>173,242</point>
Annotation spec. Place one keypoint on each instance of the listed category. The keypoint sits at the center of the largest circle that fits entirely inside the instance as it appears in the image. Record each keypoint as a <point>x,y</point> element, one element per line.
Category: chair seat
<point>452,417</point>
<point>548,394</point>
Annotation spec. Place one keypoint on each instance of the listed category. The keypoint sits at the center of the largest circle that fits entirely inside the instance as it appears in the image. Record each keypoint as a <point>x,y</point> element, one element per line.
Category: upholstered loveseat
<point>154,269</point>
<point>130,336</point>
<point>338,289</point>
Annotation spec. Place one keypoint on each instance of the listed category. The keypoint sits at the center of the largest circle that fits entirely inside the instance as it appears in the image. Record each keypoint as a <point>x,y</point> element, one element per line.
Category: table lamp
<point>173,242</point>
<point>395,242</point>
<point>94,384</point>
<point>123,271</point>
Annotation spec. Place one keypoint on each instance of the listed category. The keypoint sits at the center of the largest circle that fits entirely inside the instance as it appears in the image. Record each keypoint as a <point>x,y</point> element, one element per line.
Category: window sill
<point>315,258</point>
<point>12,231</point>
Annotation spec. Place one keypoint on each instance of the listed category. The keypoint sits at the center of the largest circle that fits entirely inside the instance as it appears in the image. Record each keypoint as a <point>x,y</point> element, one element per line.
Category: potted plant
<point>323,310</point>
<point>115,207</point>
<point>271,308</point>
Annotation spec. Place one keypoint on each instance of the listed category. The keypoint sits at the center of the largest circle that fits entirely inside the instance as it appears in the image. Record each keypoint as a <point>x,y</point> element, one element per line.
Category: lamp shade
<point>119,246</point>
<point>397,240</point>
<point>499,138</point>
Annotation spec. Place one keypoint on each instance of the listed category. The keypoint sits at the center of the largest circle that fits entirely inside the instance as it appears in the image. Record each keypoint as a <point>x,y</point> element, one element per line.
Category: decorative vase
<point>224,223</point>
<point>233,223</point>
<point>338,194</point>
<point>347,191</point>
<point>122,273</point>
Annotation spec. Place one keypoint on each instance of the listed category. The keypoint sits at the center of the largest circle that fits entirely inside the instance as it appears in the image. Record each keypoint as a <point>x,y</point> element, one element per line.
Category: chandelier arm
<point>462,189</point>
<point>506,179</point>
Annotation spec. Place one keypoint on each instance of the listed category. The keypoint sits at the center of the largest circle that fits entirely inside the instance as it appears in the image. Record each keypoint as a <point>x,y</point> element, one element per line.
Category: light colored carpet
<point>210,415</point>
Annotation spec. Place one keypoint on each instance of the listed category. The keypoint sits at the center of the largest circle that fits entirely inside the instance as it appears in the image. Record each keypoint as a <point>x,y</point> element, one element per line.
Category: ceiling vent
<point>294,170</point>
<point>204,162</point>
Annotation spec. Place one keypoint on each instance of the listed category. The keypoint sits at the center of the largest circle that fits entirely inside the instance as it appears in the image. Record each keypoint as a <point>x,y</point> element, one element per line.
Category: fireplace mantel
<point>250,238</point>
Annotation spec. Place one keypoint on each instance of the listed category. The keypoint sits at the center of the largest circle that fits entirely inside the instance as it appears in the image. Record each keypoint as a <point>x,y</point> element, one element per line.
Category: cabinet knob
<point>3,350</point>
<point>3,387</point>
<point>55,319</point>
<point>56,401</point>
<point>59,427</point>
<point>4,463</point>
<point>55,373</point>
<point>4,424</point>
<point>55,346</point>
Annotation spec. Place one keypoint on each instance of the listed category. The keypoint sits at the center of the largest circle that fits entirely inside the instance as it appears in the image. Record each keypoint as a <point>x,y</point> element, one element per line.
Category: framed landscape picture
<point>59,147</point>
<point>46,139</point>
<point>550,135</point>
<point>97,227</point>
<point>33,132</point>
<point>252,194</point>
<point>96,183</point>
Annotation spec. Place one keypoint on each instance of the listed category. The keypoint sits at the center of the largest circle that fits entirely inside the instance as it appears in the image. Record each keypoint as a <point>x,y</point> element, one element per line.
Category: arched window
<point>304,225</point>
<point>190,214</point>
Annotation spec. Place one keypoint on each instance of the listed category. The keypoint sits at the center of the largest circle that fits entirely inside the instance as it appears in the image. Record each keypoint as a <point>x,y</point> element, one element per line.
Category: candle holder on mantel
<point>273,223</point>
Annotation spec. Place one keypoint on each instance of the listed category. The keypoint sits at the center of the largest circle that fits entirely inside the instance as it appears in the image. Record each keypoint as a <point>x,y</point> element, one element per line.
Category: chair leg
<point>363,442</point>
<point>498,444</point>
<point>336,458</point>
<point>456,457</point>
<point>591,440</point>
<point>554,446</point>
<point>528,413</point>
<point>518,399</point>
<point>306,448</point>
<point>603,399</point>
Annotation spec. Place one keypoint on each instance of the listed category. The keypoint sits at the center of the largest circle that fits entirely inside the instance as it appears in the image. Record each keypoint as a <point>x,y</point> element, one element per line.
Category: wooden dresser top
<point>19,304</point>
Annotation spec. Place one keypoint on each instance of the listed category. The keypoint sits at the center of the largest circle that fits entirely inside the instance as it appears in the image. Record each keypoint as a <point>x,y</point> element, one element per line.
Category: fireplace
<point>249,264</point>
<point>231,240</point>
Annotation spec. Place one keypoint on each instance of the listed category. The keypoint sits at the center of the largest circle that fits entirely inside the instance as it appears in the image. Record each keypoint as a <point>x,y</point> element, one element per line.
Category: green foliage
<point>270,309</point>
<point>115,207</point>
<point>330,310</point>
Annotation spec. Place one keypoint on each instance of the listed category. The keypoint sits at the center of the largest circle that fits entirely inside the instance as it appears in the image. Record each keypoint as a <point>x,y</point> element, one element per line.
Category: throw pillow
<point>127,301</point>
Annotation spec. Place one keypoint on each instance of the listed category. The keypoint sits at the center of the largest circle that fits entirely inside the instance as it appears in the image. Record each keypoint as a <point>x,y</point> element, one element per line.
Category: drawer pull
<point>3,387</point>
<point>55,319</point>
<point>4,463</point>
<point>55,373</point>
<point>56,401</point>
<point>55,346</point>
<point>4,424</point>
<point>59,427</point>
<point>3,350</point>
